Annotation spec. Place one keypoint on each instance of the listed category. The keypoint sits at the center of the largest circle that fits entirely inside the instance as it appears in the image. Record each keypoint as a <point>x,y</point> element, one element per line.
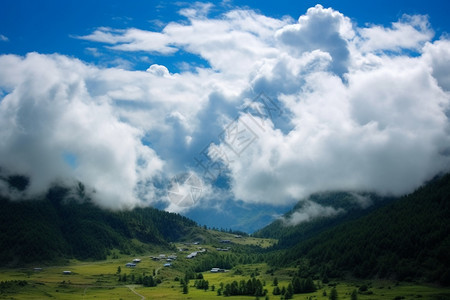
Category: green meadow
<point>100,280</point>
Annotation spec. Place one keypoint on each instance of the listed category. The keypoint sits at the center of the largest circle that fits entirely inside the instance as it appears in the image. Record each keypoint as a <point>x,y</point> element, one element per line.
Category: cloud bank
<point>363,109</point>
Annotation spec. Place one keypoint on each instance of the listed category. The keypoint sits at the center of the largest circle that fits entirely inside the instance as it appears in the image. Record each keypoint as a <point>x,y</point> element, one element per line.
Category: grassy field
<point>99,280</point>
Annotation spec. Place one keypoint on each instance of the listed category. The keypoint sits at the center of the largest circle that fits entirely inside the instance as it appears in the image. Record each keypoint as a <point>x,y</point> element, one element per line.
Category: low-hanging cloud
<point>53,131</point>
<point>360,113</point>
<point>310,211</point>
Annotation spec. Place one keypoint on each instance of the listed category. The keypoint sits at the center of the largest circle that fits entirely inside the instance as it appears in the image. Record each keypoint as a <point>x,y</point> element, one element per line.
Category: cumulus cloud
<point>320,29</point>
<point>356,112</point>
<point>49,115</point>
<point>410,32</point>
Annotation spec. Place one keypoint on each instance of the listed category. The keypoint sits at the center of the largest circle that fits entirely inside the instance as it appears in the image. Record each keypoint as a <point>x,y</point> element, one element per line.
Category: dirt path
<point>131,287</point>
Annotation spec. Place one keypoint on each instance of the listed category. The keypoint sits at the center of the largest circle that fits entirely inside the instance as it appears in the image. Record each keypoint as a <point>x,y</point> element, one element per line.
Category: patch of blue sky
<point>70,159</point>
<point>49,26</point>
<point>363,13</point>
<point>238,215</point>
<point>3,94</point>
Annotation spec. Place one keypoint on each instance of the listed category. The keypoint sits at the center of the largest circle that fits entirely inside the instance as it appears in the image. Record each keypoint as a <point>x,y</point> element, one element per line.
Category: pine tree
<point>289,292</point>
<point>297,285</point>
<point>276,291</point>
<point>333,294</point>
<point>354,295</point>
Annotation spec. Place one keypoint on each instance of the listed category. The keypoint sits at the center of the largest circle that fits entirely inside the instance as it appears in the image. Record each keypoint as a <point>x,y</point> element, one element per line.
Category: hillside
<point>59,226</point>
<point>407,239</point>
<point>349,206</point>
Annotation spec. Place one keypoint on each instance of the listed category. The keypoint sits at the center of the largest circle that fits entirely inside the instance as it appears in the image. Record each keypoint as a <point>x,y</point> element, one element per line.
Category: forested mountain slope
<point>407,239</point>
<point>348,206</point>
<point>57,226</point>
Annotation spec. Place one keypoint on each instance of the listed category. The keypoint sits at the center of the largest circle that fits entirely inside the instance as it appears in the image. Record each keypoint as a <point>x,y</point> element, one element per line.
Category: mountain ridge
<point>59,226</point>
<point>407,239</point>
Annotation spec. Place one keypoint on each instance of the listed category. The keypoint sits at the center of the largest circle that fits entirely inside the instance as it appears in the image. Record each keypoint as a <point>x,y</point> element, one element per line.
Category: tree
<point>309,285</point>
<point>185,289</point>
<point>276,291</point>
<point>333,294</point>
<point>296,284</point>
<point>289,292</point>
<point>148,281</point>
<point>119,269</point>
<point>275,281</point>
<point>354,295</point>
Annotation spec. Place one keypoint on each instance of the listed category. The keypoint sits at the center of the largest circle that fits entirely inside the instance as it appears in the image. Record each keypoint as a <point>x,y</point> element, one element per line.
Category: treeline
<point>58,226</point>
<point>229,230</point>
<point>408,239</point>
<point>11,286</point>
<point>145,280</point>
<point>255,287</point>
<point>251,287</point>
<point>241,255</point>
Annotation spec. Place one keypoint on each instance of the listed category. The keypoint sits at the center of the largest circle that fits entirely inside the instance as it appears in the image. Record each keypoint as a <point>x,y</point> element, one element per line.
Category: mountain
<point>407,239</point>
<point>61,226</point>
<point>345,205</point>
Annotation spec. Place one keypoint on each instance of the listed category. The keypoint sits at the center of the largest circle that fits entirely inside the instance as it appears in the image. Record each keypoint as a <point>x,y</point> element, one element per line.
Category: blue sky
<point>143,101</point>
<point>49,26</point>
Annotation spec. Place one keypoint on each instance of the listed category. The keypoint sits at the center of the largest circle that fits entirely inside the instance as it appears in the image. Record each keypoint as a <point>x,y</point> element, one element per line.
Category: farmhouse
<point>67,272</point>
<point>223,249</point>
<point>130,265</point>
<point>217,270</point>
<point>192,255</point>
<point>136,260</point>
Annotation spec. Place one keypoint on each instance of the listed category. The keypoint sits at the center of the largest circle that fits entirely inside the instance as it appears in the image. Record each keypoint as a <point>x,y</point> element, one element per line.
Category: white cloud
<point>411,32</point>
<point>354,117</point>
<point>437,56</point>
<point>50,113</point>
<point>158,70</point>
<point>310,211</point>
<point>386,131</point>
<point>197,10</point>
<point>131,40</point>
<point>320,29</point>
<point>3,38</point>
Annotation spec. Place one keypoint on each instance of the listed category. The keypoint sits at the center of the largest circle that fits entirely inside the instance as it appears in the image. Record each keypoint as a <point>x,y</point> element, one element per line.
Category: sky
<point>228,112</point>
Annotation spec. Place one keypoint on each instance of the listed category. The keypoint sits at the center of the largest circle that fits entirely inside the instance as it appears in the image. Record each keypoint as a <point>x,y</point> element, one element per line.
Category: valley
<point>100,279</point>
<point>58,248</point>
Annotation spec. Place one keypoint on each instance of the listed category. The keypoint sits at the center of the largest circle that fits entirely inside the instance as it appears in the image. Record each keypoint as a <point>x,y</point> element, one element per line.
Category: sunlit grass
<point>99,280</point>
